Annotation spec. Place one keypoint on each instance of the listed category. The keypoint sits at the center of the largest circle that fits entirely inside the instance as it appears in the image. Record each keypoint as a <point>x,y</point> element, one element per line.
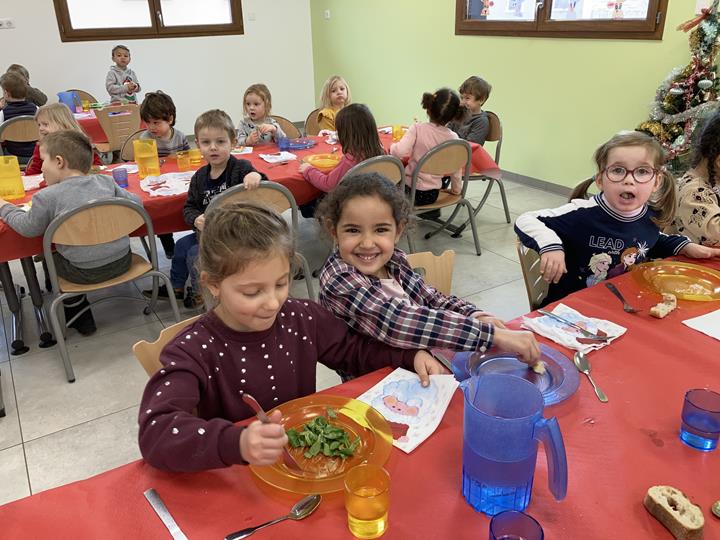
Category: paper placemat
<point>570,337</point>
<point>278,157</point>
<point>708,324</point>
<point>165,185</point>
<point>412,411</point>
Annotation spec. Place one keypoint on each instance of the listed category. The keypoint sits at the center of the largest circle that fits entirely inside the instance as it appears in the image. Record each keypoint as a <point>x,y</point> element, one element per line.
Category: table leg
<point>28,266</point>
<point>12,293</point>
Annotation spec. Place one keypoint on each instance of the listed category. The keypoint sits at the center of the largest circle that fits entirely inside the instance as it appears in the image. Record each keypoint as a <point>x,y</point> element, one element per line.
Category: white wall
<point>199,73</point>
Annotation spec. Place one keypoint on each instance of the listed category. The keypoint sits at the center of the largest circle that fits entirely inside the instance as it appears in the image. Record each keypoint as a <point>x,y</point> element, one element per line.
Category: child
<point>215,136</point>
<point>698,212</point>
<point>442,107</point>
<point>474,92</point>
<point>33,95</point>
<point>358,137</point>
<point>369,283</point>
<point>67,156</point>
<point>636,197</point>
<point>335,95</point>
<point>51,118</point>
<point>158,113</point>
<point>15,93</point>
<point>258,126</point>
<point>121,81</point>
<point>255,340</point>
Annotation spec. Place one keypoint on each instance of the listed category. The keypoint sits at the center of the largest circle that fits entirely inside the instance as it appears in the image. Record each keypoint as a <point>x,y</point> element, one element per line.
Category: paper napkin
<point>570,337</point>
<point>175,183</point>
<point>708,324</point>
<point>412,411</point>
<point>32,181</point>
<point>278,157</point>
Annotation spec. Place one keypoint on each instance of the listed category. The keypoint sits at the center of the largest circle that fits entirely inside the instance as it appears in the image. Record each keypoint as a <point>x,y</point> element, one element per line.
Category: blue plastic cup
<point>283,143</point>
<point>121,177</point>
<point>700,427</point>
<point>514,525</point>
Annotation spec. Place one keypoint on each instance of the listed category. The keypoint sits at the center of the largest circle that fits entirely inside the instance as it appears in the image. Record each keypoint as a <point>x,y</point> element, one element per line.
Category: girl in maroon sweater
<point>255,340</point>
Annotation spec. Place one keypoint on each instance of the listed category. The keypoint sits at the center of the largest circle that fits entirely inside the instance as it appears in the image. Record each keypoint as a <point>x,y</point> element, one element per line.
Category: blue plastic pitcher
<point>503,423</point>
<point>71,99</point>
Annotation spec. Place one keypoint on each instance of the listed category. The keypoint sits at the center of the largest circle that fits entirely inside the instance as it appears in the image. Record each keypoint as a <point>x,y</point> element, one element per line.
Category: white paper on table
<point>568,336</point>
<point>165,185</point>
<point>132,168</point>
<point>708,324</point>
<point>83,115</point>
<point>32,181</point>
<point>278,157</point>
<point>241,150</point>
<point>387,130</point>
<point>412,411</point>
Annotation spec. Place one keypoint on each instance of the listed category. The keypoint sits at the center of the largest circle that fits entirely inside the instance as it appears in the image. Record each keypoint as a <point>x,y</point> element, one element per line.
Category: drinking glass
<point>195,156</point>
<point>397,133</point>
<point>514,525</point>
<point>700,426</point>
<point>183,160</point>
<point>367,499</point>
<point>85,105</point>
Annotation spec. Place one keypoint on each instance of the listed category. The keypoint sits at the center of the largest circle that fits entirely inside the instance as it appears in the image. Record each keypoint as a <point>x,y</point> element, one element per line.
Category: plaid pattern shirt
<point>429,320</point>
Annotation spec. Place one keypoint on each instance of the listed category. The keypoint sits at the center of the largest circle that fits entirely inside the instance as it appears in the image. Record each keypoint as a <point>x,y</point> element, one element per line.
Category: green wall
<point>558,98</point>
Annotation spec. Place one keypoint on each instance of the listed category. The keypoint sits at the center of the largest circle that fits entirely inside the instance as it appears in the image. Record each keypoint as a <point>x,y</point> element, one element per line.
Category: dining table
<point>615,452</point>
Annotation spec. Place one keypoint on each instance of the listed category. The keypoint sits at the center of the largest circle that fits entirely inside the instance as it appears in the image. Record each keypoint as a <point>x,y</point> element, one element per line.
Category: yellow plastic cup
<point>183,160</point>
<point>146,157</point>
<point>11,184</point>
<point>367,500</point>
<point>85,105</point>
<point>397,133</point>
<point>195,156</point>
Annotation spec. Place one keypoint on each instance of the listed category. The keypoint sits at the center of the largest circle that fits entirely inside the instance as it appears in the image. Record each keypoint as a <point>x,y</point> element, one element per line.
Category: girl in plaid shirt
<point>369,283</point>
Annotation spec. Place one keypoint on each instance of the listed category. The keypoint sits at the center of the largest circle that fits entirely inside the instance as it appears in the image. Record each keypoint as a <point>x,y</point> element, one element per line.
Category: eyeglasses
<point>642,174</point>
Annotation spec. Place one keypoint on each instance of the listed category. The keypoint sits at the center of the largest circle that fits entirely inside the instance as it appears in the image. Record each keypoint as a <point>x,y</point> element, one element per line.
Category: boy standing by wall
<point>121,81</point>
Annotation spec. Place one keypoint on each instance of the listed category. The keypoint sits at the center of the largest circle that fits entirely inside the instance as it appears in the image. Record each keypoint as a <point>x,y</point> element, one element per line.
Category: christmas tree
<point>689,93</point>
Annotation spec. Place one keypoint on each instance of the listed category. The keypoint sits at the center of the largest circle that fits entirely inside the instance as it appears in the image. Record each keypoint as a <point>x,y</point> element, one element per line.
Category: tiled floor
<point>55,432</point>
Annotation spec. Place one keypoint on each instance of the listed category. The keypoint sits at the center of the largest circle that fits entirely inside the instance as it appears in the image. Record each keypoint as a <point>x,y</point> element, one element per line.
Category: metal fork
<point>627,307</point>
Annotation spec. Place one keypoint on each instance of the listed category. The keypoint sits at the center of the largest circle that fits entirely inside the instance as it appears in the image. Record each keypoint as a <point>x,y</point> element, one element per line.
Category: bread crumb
<point>539,367</point>
<point>662,309</point>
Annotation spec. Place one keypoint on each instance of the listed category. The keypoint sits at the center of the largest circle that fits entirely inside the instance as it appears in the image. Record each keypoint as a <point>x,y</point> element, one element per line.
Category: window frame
<point>650,28</point>
<point>156,30</point>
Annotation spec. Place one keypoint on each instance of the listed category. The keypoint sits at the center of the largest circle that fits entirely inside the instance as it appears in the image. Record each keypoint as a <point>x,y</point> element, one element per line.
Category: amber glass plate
<point>322,474</point>
<point>685,280</point>
<point>323,162</point>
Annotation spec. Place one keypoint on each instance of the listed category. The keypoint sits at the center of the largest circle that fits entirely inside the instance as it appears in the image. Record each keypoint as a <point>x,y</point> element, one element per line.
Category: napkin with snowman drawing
<point>413,411</point>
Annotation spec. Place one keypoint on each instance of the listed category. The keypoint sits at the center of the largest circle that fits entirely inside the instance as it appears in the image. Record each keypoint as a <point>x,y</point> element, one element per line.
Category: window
<point>83,20</point>
<point>624,19</point>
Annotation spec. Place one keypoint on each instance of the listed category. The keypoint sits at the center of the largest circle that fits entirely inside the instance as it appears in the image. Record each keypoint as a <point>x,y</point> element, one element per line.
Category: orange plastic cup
<point>367,500</point>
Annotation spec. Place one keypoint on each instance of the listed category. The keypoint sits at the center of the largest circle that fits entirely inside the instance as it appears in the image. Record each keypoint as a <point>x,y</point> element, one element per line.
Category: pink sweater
<point>418,139</point>
<point>327,182</point>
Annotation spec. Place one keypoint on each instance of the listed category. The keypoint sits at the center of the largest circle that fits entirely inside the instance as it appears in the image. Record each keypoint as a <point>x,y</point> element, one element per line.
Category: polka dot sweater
<point>189,407</point>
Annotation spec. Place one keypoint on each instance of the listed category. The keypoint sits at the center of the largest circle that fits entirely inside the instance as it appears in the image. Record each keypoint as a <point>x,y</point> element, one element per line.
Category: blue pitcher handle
<point>547,431</point>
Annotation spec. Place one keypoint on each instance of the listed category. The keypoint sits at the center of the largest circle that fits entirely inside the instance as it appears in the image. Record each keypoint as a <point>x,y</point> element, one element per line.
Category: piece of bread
<point>674,510</point>
<point>539,367</point>
<point>662,309</point>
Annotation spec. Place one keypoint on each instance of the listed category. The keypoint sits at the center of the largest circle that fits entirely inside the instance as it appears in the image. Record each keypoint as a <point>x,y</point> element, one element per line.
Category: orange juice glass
<point>367,500</point>
<point>146,157</point>
<point>195,156</point>
<point>183,160</point>
<point>397,133</point>
<point>85,105</point>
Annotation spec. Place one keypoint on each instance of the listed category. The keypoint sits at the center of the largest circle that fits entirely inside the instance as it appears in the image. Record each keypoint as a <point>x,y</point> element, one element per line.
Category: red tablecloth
<point>615,452</point>
<point>166,212</point>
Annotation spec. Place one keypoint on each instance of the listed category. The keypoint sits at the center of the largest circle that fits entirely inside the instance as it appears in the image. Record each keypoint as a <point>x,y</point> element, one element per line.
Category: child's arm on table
<point>696,251</point>
<point>403,148</point>
<point>33,222</point>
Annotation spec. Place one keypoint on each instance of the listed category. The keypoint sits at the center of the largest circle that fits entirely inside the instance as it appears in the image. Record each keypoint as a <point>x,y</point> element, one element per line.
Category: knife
<point>161,510</point>
<point>584,332</point>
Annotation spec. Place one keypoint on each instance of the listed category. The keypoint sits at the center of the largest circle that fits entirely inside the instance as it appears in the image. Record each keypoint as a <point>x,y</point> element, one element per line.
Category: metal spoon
<point>288,460</point>
<point>583,365</point>
<point>302,509</point>
<point>627,307</point>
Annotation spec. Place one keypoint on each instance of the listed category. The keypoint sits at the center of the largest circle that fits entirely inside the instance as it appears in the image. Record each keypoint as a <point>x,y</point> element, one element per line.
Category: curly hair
<point>443,106</point>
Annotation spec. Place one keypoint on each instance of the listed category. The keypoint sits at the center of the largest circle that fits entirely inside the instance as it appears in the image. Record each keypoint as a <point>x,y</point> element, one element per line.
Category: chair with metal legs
<point>99,222</point>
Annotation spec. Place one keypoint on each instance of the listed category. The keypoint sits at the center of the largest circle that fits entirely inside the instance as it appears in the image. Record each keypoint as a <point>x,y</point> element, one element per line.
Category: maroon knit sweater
<point>189,407</point>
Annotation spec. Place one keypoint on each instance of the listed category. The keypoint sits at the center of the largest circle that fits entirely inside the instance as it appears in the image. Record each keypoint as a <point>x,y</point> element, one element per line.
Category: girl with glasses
<point>636,200</point>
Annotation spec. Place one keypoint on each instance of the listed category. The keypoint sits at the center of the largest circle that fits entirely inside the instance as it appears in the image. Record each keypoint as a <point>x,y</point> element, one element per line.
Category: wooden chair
<point>98,222</point>
<point>312,127</point>
<point>277,197</point>
<point>291,131</point>
<point>20,129</point>
<point>443,159</point>
<point>127,153</point>
<point>494,135</point>
<point>389,166</point>
<point>148,353</point>
<point>535,285</point>
<point>437,270</point>
<point>119,122</point>
<point>83,95</point>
